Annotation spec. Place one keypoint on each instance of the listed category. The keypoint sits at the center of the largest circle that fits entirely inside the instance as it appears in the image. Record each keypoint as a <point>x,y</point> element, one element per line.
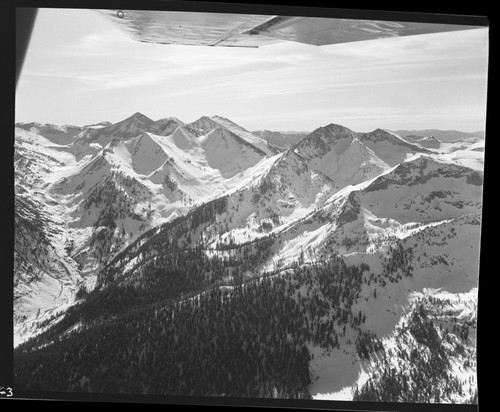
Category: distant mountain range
<point>204,259</point>
<point>447,136</point>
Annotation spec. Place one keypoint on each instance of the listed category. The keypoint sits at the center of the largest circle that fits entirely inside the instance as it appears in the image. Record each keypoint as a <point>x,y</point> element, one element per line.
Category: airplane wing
<point>252,30</point>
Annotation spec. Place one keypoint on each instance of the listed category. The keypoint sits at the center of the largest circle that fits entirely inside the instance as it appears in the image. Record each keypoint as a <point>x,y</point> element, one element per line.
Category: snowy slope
<point>410,196</point>
<point>287,191</point>
<point>469,153</point>
<point>440,259</point>
<point>146,154</point>
<point>228,153</point>
<point>45,277</point>
<point>370,216</point>
<point>35,158</point>
<point>427,188</point>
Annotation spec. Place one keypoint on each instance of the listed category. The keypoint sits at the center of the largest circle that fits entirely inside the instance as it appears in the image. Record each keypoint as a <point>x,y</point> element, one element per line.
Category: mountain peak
<point>385,136</point>
<point>204,118</point>
<point>140,116</point>
<point>205,124</point>
<point>336,127</point>
<point>323,137</point>
<point>136,119</point>
<point>173,119</point>
<point>216,116</point>
<point>334,131</point>
<point>379,134</point>
<point>166,126</point>
<point>103,133</point>
<point>226,122</point>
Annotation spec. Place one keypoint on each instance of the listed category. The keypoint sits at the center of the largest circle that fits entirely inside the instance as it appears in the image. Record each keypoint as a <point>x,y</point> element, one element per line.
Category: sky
<point>81,69</point>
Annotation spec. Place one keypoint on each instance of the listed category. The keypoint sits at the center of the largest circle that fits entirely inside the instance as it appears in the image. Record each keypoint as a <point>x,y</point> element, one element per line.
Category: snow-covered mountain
<point>348,157</point>
<point>92,139</point>
<point>130,127</point>
<point>414,194</point>
<point>109,183</point>
<point>228,153</point>
<point>160,227</point>
<point>206,124</point>
<point>389,146</point>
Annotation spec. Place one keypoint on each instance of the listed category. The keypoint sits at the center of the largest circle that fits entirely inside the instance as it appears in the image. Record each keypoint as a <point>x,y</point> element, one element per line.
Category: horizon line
<point>408,129</point>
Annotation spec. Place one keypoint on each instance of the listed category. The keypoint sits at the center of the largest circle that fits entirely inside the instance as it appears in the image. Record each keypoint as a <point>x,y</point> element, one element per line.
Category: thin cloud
<point>80,58</point>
